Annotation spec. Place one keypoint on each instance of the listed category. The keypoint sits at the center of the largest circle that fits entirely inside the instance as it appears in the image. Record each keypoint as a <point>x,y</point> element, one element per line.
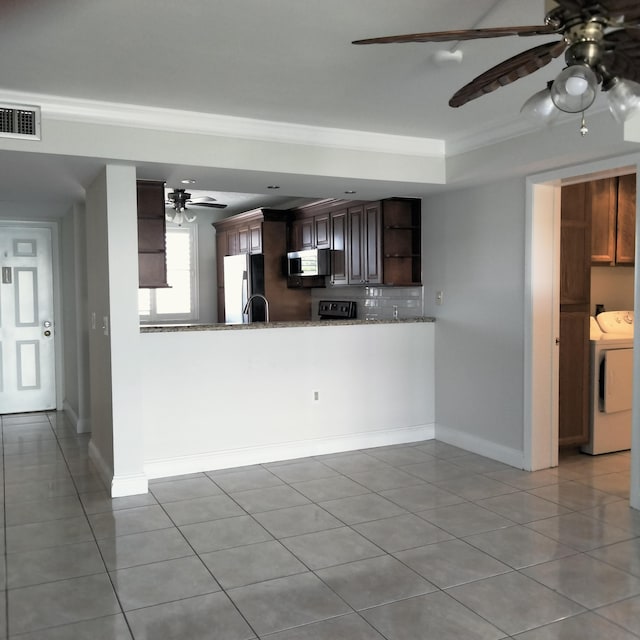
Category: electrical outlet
<point>316,396</point>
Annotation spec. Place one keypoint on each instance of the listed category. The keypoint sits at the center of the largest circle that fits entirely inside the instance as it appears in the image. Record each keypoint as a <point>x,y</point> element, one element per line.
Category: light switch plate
<point>439,297</point>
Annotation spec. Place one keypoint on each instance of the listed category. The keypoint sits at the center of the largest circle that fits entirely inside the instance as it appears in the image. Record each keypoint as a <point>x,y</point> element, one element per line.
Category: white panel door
<point>27,337</point>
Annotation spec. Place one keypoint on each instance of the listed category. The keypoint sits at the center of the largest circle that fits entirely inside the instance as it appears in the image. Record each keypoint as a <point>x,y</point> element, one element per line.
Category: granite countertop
<point>169,328</point>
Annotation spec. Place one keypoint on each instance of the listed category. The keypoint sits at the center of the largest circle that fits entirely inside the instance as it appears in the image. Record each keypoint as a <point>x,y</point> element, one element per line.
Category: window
<point>179,302</point>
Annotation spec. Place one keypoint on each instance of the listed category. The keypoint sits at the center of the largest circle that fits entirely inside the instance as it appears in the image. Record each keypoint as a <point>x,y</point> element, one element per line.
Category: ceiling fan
<point>177,201</point>
<point>601,43</point>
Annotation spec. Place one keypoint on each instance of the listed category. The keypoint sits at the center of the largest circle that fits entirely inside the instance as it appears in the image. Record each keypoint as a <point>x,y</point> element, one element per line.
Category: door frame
<point>54,230</point>
<point>542,313</point>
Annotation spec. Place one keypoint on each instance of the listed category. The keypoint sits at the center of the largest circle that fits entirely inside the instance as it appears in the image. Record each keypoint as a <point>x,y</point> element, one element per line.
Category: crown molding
<point>198,123</point>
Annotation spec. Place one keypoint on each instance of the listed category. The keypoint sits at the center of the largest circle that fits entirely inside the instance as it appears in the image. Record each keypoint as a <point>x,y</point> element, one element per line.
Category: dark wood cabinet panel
<point>243,240</point>
<point>372,234</point>
<point>221,251</point>
<point>322,231</point>
<point>612,202</point>
<point>338,220</point>
<point>152,262</point>
<point>626,220</point>
<point>255,237</point>
<point>364,244</point>
<point>302,234</point>
<point>573,402</point>
<point>575,295</point>
<point>600,197</point>
<point>355,245</point>
<point>402,241</point>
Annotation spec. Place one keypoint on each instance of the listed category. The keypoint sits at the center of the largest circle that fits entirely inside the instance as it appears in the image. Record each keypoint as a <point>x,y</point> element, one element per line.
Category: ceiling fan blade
<point>466,34</point>
<point>508,71</point>
<point>628,9</point>
<point>202,199</point>
<point>211,205</point>
<point>623,58</point>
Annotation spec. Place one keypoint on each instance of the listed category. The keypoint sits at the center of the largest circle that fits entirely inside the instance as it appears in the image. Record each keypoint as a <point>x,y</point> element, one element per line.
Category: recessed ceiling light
<point>188,181</point>
<point>273,186</point>
<point>350,192</point>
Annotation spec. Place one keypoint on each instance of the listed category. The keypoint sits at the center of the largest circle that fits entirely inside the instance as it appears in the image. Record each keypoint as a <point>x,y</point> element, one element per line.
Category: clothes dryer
<point>611,388</point>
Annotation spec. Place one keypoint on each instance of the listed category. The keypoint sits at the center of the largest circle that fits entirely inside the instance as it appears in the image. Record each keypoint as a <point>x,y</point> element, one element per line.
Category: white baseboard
<point>272,453</point>
<point>81,425</point>
<point>70,413</point>
<point>129,485</point>
<point>512,457</point>
<point>103,468</point>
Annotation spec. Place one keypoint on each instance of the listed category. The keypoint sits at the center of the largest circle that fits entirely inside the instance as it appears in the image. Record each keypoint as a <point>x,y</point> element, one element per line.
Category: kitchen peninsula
<point>220,396</point>
<point>167,328</point>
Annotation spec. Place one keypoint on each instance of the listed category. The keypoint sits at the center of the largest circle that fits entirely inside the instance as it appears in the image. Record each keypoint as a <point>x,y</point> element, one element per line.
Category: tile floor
<point>398,543</point>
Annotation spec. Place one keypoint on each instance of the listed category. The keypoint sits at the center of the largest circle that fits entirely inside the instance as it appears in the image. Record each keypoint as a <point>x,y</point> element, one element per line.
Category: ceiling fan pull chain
<point>583,127</point>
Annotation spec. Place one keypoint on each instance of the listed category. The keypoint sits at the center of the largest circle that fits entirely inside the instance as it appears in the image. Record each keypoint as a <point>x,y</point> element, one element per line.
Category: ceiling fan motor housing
<point>585,45</point>
<point>179,197</point>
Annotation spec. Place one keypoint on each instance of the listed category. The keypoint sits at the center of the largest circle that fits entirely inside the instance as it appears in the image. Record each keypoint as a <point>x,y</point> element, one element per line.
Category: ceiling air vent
<point>19,121</point>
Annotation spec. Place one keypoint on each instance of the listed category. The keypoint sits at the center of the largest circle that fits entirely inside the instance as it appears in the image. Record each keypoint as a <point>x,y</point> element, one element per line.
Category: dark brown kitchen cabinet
<point>612,203</point>
<point>244,238</point>
<point>371,242</point>
<point>338,238</point>
<point>255,237</point>
<point>302,234</point>
<point>310,233</point>
<point>575,295</point>
<point>152,254</point>
<point>222,243</point>
<point>262,231</point>
<point>626,220</point>
<point>322,232</point>
<point>401,242</point>
<point>364,244</point>
<point>600,197</point>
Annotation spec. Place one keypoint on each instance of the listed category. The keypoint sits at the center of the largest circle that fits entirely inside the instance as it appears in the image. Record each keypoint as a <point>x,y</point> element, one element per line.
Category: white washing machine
<point>611,388</point>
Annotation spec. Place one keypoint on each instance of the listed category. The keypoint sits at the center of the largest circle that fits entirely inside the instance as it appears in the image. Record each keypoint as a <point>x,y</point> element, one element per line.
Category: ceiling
<point>281,60</point>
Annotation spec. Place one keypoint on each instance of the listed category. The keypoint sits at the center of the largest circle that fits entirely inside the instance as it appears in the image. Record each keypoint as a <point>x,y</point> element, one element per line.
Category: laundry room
<point>597,314</point>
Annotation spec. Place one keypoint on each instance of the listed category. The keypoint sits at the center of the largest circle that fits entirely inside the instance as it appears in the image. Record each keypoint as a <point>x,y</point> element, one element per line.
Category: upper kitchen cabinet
<point>337,243</point>
<point>371,242</point>
<point>152,259</point>
<point>612,204</point>
<point>401,240</point>
<point>310,233</point>
<point>364,244</point>
<point>244,236</point>
<point>626,221</point>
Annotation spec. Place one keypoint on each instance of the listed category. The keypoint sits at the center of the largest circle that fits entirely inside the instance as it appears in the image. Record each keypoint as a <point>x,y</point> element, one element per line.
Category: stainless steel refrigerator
<point>243,277</point>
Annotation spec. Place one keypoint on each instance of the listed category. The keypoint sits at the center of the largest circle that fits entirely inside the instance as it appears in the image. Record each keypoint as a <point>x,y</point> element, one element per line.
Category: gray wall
<point>473,251</point>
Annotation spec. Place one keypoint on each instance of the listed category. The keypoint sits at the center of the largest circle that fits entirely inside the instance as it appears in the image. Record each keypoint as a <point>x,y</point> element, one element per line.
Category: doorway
<point>542,316</point>
<point>27,327</point>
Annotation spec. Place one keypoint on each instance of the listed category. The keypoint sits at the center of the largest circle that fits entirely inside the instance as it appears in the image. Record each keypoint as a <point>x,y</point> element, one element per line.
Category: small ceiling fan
<point>601,43</point>
<point>177,201</point>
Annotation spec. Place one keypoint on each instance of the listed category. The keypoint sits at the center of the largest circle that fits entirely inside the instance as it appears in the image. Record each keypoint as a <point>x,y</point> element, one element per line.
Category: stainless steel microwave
<point>310,262</point>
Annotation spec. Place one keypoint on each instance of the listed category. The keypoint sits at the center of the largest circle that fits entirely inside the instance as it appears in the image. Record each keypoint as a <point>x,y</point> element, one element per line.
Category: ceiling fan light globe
<point>576,85</point>
<point>624,99</point>
<point>575,88</point>
<point>540,108</point>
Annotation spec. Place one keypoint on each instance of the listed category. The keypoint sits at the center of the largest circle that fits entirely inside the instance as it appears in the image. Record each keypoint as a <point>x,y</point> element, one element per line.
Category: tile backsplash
<point>375,302</point>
